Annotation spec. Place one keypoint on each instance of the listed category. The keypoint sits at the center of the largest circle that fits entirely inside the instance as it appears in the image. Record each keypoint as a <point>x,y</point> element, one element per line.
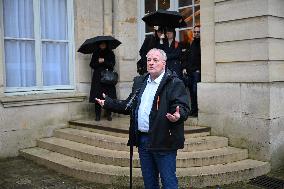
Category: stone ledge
<point>39,99</point>
<point>218,1</point>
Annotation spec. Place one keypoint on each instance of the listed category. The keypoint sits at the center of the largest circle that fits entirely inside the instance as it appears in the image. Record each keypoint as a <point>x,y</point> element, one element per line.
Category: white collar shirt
<point>146,104</point>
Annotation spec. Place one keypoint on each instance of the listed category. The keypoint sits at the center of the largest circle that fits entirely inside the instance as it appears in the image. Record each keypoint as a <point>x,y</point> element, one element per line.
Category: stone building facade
<point>241,95</point>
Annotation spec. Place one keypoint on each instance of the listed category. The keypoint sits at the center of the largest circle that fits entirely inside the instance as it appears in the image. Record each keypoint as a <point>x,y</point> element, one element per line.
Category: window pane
<point>20,63</point>
<point>53,19</point>
<point>163,4</point>
<point>196,1</point>
<point>55,64</point>
<point>18,18</point>
<point>150,6</point>
<point>182,3</point>
<point>187,15</point>
<point>197,15</point>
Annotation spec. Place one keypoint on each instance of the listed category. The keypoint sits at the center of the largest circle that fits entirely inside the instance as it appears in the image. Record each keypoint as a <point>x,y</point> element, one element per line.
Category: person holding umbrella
<point>103,59</point>
<point>152,41</point>
<point>169,20</point>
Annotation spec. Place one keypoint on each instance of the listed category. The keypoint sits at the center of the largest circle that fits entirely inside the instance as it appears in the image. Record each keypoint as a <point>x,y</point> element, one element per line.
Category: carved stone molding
<point>39,99</point>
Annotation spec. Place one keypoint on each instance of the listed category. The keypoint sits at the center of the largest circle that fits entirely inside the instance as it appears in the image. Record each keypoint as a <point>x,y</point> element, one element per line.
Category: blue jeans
<point>194,78</point>
<point>153,163</point>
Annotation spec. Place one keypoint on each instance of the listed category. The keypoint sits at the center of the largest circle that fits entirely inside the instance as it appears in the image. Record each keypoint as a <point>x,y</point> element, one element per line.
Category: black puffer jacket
<point>165,135</point>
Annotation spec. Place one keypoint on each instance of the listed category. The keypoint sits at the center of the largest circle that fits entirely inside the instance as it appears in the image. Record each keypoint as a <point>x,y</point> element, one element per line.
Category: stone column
<point>208,66</point>
<point>107,14</point>
<point>125,29</point>
<point>88,23</point>
<point>246,102</point>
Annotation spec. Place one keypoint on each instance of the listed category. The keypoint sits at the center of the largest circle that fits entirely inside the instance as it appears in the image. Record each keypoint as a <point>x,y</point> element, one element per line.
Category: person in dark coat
<point>193,69</point>
<point>151,41</point>
<point>184,56</point>
<point>173,51</point>
<point>158,107</point>
<point>103,58</point>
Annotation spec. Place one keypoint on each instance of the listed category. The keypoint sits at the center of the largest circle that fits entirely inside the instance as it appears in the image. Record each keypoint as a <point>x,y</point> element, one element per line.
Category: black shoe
<point>109,118</point>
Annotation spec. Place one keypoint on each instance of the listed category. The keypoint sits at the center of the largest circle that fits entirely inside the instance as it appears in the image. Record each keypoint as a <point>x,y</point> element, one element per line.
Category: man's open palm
<point>175,116</point>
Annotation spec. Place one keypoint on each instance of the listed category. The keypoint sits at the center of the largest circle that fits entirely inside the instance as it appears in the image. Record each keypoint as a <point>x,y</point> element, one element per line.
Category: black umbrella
<point>164,18</point>
<point>91,44</point>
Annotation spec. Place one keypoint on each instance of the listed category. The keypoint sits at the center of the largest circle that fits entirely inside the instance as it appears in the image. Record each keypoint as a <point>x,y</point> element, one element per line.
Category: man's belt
<point>143,133</point>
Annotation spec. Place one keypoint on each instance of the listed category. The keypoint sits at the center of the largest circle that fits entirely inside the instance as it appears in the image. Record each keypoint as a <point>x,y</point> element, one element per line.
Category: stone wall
<point>25,118</point>
<point>88,22</point>
<point>116,18</point>
<point>125,29</point>
<point>244,101</point>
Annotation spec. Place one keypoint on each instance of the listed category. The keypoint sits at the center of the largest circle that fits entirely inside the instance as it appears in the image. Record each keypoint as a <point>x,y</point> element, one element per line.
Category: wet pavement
<point>19,173</point>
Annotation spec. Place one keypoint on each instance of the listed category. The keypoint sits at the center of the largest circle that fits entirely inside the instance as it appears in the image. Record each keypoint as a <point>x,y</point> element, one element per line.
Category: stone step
<point>118,134</point>
<point>95,139</point>
<point>88,152</point>
<point>94,172</point>
<point>204,143</point>
<point>119,176</point>
<point>120,143</point>
<point>119,127</point>
<point>191,121</point>
<point>121,158</point>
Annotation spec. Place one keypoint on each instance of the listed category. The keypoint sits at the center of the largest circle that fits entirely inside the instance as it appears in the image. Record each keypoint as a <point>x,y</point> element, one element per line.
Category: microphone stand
<point>131,157</point>
<point>129,106</point>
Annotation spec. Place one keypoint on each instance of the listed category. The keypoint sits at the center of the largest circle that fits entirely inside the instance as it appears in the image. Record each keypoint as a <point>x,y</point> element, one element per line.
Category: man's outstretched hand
<point>100,101</point>
<point>175,116</point>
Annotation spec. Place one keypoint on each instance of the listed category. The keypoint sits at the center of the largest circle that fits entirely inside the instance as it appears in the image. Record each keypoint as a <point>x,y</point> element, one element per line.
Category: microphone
<point>129,104</point>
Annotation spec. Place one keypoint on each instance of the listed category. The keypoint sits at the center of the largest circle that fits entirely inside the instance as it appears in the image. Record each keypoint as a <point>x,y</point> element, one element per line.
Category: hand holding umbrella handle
<point>101,60</point>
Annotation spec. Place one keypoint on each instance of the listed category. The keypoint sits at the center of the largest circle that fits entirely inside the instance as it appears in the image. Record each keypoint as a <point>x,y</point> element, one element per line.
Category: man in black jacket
<point>158,106</point>
<point>193,69</point>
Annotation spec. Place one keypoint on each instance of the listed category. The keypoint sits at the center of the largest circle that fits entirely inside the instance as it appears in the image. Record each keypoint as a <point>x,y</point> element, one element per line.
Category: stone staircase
<point>97,152</point>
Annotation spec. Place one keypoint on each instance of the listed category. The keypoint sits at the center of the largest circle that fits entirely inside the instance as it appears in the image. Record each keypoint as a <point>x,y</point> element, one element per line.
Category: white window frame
<point>193,5</point>
<point>39,88</point>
